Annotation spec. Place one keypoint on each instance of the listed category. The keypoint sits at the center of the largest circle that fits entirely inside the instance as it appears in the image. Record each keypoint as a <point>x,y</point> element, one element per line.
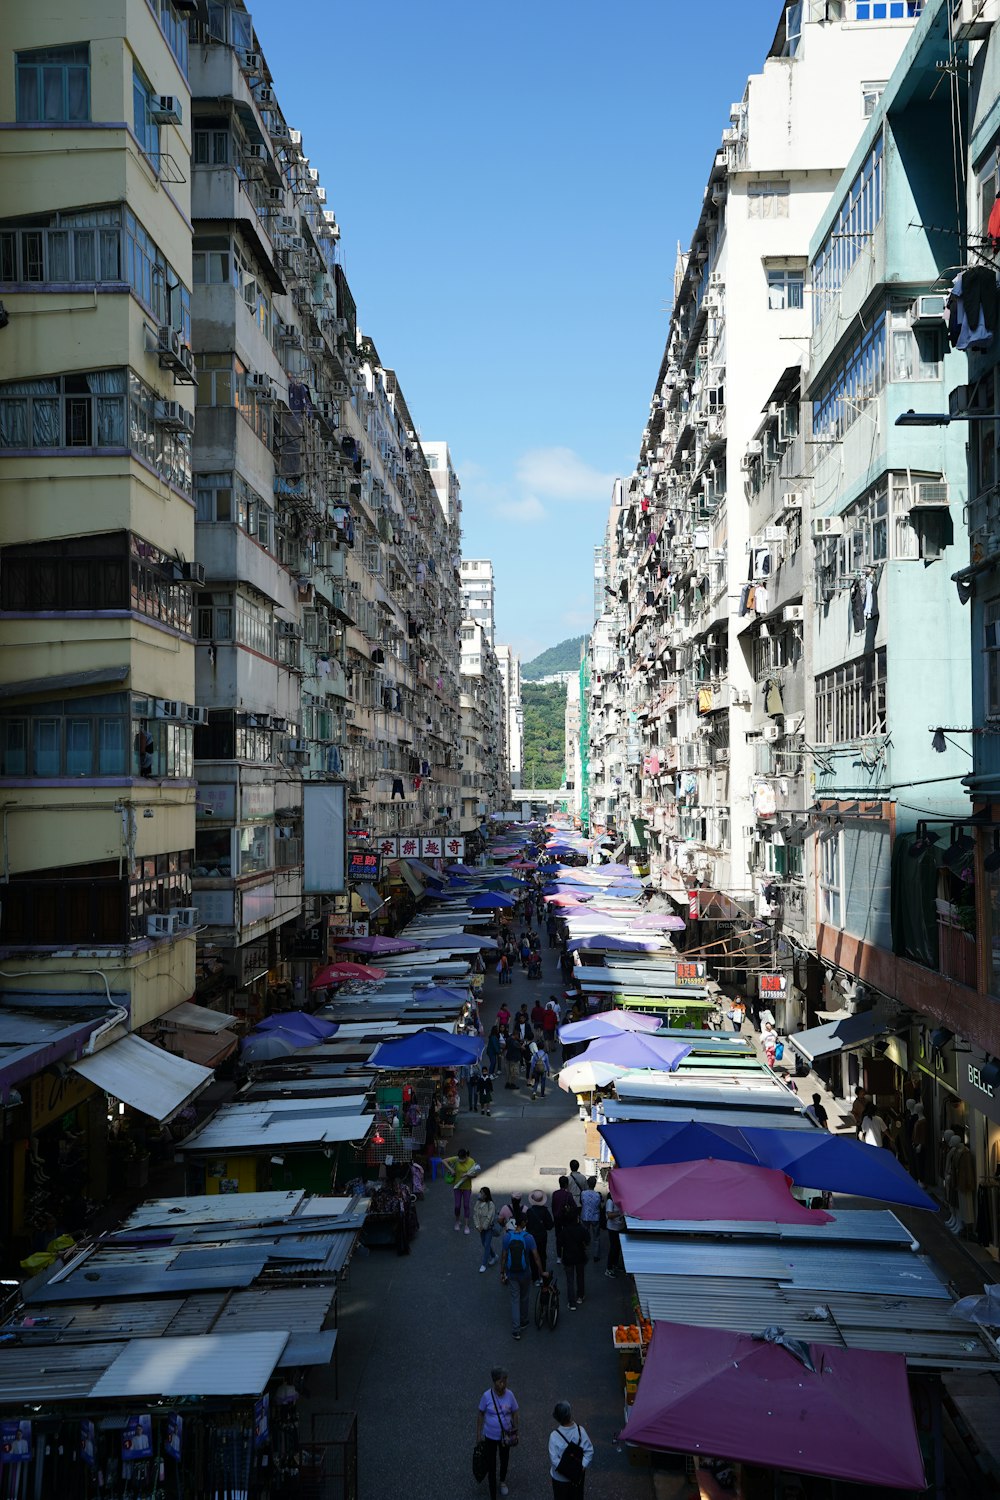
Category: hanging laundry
<point>858,605</point>
<point>993,227</point>
<point>871,599</point>
<point>746,599</point>
<point>763,799</point>
<point>397,789</point>
<point>761,563</point>
<point>972,309</point>
<point>772,697</point>
<point>705,700</point>
<point>759,604</point>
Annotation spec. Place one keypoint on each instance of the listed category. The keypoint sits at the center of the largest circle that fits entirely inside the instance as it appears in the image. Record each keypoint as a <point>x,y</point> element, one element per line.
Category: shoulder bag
<point>509,1437</point>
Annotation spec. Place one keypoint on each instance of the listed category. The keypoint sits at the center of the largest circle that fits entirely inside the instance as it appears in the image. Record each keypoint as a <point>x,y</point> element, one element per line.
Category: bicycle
<point>547,1302</point>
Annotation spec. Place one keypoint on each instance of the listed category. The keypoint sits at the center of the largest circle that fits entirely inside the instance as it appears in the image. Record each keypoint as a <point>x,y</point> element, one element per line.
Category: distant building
<point>509,664</point>
<point>479,594</point>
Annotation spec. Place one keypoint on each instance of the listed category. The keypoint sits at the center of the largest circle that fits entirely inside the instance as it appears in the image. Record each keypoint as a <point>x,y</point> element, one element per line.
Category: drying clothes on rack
<point>972,308</point>
<point>772,697</point>
<point>760,603</point>
<point>760,563</point>
<point>747,598</point>
<point>706,699</point>
<point>397,789</point>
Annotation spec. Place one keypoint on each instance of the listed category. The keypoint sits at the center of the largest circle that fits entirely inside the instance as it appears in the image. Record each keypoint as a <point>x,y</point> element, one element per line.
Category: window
<point>886,10</point>
<point>103,571</point>
<point>853,224</point>
<point>175,28</point>
<point>100,735</point>
<point>212,260</point>
<point>785,290</point>
<point>830,878</point>
<point>767,200</point>
<point>851,700</point>
<point>857,380</point>
<point>215,617</point>
<point>159,883</point>
<point>53,85</point>
<point>991,656</point>
<point>65,411</point>
<point>917,353</point>
<point>82,905</point>
<point>865,864</point>
<point>871,93</point>
<point>147,132</point>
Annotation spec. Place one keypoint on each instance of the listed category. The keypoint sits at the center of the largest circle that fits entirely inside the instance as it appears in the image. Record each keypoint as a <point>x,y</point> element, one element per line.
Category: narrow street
<point>420,1333</point>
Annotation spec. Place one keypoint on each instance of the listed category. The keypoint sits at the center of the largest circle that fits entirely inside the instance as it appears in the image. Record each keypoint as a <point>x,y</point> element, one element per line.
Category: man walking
<point>539,1221</point>
<point>591,1212</point>
<point>518,1255</point>
<point>577,1183</point>
<point>562,1206</point>
<point>539,1073</point>
<point>512,1059</point>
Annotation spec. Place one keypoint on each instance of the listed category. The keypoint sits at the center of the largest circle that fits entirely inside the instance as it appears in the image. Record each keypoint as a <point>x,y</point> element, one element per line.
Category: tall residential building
<point>479,594</point>
<point>482,728</point>
<point>444,479</point>
<point>509,664</point>
<point>97,551</point>
<point>572,773</point>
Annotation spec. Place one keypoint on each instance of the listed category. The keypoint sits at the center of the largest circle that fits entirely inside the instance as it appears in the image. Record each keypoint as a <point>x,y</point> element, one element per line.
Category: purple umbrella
<point>298,1020</point>
<point>602,942</point>
<point>608,1023</point>
<point>650,921</point>
<point>635,1050</point>
<point>376,945</point>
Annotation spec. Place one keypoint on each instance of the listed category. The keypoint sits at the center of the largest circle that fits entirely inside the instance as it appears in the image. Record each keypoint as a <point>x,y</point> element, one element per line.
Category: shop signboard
<point>774,986</point>
<point>363,867</point>
<point>430,848</point>
<point>975,1087</point>
<point>258,903</point>
<point>53,1096</point>
<point>388,848</point>
<point>454,848</point>
<point>693,909</point>
<point>689,976</point>
<point>216,908</point>
<point>256,802</point>
<point>410,848</point>
<point>217,800</point>
<point>305,942</point>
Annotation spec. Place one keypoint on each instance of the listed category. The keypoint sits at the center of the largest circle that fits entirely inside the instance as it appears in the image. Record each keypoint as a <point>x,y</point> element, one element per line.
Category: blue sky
<point>511,181</point>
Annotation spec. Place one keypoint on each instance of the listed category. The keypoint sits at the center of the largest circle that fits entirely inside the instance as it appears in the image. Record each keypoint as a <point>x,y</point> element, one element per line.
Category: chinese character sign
<point>771,984</point>
<point>430,848</point>
<point>410,847</point>
<point>363,867</point>
<point>689,975</point>
<point>388,848</point>
<point>454,848</point>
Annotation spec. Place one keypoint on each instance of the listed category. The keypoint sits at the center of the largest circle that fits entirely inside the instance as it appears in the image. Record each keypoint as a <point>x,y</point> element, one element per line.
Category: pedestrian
<point>918,1143</point>
<point>468,1075</point>
<point>550,928</point>
<point>737,1015</point>
<point>550,1027</point>
<point>502,967</point>
<point>518,1255</point>
<point>496,1424</point>
<point>816,1112</point>
<point>562,1202</point>
<point>512,1060</point>
<point>615,1221</point>
<point>503,1016</point>
<point>537,1016</point>
<point>485,1085</point>
<point>494,1048</point>
<point>577,1182</point>
<point>571,1453</point>
<point>574,1256</point>
<point>539,1221</point>
<point>461,1168</point>
<point>872,1127</point>
<point>591,1213</point>
<point>484,1216</point>
<point>525,950</point>
<point>539,1072</point>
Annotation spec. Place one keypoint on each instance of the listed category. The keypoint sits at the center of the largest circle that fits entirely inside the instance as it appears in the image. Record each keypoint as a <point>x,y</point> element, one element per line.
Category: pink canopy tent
<point>649,920</point>
<point>709,1391</point>
<point>710,1189</point>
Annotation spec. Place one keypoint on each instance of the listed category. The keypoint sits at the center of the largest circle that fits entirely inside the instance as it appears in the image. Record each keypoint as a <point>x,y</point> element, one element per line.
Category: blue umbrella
<point>489,901</point>
<point>811,1158</point>
<point>264,1046</point>
<point>430,1048</point>
<point>298,1020</point>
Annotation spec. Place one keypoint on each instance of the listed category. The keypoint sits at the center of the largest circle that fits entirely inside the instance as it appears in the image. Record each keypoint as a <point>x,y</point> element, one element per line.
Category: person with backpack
<point>539,1221</point>
<point>538,1072</point>
<point>570,1454</point>
<point>519,1263</point>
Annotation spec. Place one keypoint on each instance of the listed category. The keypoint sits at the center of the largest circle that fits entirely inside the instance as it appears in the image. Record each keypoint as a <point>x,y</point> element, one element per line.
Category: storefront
<point>979,1086</point>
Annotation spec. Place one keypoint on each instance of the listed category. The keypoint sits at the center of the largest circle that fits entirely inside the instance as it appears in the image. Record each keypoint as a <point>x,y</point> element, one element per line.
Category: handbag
<point>480,1462</point>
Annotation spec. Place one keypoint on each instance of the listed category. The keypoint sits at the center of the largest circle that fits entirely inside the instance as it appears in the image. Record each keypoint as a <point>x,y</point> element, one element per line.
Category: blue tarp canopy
<point>811,1158</point>
<point>427,1049</point>
<point>425,871</point>
<point>489,902</point>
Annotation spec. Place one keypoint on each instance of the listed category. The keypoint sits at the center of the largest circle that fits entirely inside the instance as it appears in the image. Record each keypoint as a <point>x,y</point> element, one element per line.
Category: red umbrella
<point>710,1189</point>
<point>338,972</point>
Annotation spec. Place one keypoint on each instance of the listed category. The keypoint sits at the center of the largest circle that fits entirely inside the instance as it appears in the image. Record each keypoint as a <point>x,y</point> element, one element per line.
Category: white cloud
<point>561,474</point>
<point>529,509</point>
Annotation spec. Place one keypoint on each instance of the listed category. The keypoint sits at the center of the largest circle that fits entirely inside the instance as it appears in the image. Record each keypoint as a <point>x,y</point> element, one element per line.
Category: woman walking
<point>496,1426</point>
<point>484,1216</point>
<point>574,1256</point>
<point>462,1168</point>
<point>570,1454</point>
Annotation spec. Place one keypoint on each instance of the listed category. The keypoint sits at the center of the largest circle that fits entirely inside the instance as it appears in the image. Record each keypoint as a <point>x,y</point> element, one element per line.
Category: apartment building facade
<point>484,787</point>
<point>479,594</point>
<point>509,664</point>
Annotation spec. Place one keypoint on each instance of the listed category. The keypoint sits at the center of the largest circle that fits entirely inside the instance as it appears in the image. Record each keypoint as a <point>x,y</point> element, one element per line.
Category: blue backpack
<point>517,1256</point>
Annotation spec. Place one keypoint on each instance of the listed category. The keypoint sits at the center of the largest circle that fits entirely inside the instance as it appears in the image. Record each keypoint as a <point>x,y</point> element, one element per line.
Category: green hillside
<point>562,658</point>
<point>544,733</point>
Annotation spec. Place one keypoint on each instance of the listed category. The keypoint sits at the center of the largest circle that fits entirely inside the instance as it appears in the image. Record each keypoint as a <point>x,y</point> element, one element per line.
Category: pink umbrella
<point>710,1189</point>
<point>338,972</point>
<point>650,920</point>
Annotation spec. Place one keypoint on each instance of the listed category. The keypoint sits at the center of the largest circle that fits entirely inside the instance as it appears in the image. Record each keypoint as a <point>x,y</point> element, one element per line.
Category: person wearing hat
<point>539,1221</point>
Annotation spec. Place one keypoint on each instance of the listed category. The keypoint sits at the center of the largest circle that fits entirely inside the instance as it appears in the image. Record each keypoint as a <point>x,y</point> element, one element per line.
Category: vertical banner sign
<point>261,1425</point>
<point>88,1441</point>
<point>137,1438</point>
<point>15,1442</point>
<point>388,848</point>
<point>771,984</point>
<point>693,905</point>
<point>324,831</point>
<point>174,1438</point>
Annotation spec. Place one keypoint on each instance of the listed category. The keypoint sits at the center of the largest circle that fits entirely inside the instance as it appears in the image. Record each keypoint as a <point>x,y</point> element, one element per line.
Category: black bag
<point>570,1464</point>
<point>480,1463</point>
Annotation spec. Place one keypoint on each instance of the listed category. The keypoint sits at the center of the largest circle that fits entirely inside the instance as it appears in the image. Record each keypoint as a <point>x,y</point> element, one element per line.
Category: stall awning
<point>838,1036</point>
<point>208,1049</point>
<point>371,898</point>
<point>154,1082</point>
<point>426,872</point>
<point>197,1017</point>
<point>205,1364</point>
<point>414,883</point>
<point>31,1040</point>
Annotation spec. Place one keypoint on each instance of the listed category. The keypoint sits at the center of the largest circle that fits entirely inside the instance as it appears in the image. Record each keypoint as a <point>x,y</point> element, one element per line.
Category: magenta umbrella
<point>376,945</point>
<point>710,1189</point>
<point>846,1414</point>
<point>636,1050</point>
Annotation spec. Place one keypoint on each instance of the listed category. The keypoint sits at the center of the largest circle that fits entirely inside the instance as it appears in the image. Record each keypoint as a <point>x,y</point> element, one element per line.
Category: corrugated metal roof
<point>238,1364</point>
<point>308,1349</point>
<point>154,1082</point>
<point>805,1265</point>
<point>629,1109</point>
<point>197,1017</point>
<point>216,1208</point>
<point>867,1226</point>
<point>54,1372</point>
<point>238,1127</point>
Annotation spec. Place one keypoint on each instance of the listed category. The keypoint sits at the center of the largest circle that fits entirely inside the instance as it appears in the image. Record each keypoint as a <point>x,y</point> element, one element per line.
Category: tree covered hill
<point>544,733</point>
<point>565,657</point>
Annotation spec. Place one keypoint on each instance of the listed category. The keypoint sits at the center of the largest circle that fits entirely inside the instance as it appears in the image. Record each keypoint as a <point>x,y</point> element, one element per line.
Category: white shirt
<point>872,1128</point>
<point>558,1439</point>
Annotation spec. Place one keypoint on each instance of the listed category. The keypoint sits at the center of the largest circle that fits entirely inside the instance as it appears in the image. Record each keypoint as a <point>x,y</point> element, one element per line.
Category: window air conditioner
<point>276,195</point>
<point>967,20</point>
<point>928,310</point>
<point>161,924</point>
<point>793,613</point>
<point>792,500</point>
<point>262,384</point>
<point>185,918</point>
<point>199,715</point>
<point>930,494</point>
<point>774,534</point>
<point>321,194</point>
<point>193,572</point>
<point>298,747</point>
<point>287,223</point>
<point>265,96</point>
<point>250,62</point>
<point>165,110</point>
<point>287,628</point>
<point>173,416</point>
<point>827,526</point>
<point>754,448</point>
<point>771,732</point>
<point>168,708</point>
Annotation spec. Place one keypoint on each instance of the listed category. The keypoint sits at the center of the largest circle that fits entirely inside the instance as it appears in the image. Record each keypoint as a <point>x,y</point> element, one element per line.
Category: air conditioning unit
<point>297,242</point>
<point>317,343</point>
<point>930,494</point>
<point>165,110</point>
<point>173,416</point>
<point>968,23</point>
<point>827,526</point>
<point>355,588</point>
<point>287,223</point>
<point>774,534</point>
<point>276,195</point>
<point>793,613</point>
<point>321,195</point>
<point>297,746</point>
<point>198,715</point>
<point>928,310</point>
<point>771,732</point>
<point>754,448</point>
<point>162,924</point>
<point>287,629</point>
<point>262,384</point>
<point>313,175</point>
<point>250,62</point>
<point>793,500</point>
<point>255,152</point>
<point>168,708</point>
<point>265,96</point>
<point>185,918</point>
<point>193,572</point>
<point>295,136</point>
